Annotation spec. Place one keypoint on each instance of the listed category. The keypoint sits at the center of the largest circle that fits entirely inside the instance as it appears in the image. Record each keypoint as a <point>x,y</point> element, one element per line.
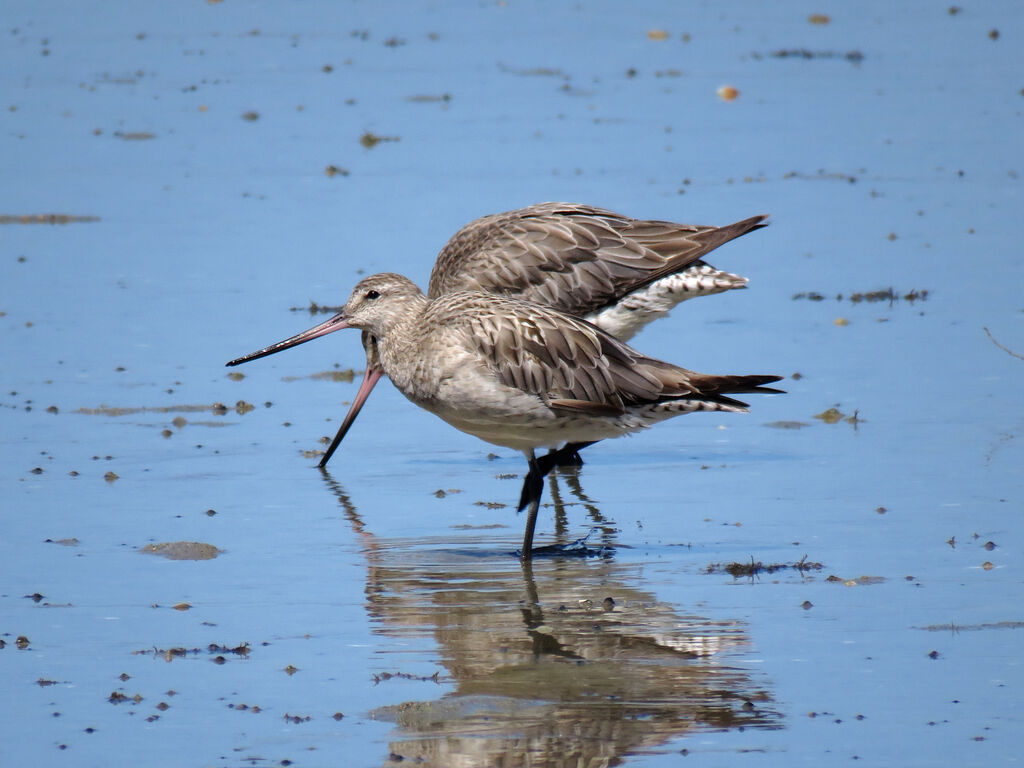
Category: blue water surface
<point>181,181</point>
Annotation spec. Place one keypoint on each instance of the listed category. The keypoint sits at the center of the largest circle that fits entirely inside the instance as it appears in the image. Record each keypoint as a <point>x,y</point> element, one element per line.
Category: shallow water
<point>359,617</point>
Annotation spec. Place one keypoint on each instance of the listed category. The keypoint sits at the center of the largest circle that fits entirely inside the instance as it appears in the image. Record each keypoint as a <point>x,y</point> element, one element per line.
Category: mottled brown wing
<point>569,363</point>
<point>575,258</point>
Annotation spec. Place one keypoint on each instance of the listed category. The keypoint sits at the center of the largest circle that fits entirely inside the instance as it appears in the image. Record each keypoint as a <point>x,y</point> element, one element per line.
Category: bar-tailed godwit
<point>617,272</point>
<point>519,374</point>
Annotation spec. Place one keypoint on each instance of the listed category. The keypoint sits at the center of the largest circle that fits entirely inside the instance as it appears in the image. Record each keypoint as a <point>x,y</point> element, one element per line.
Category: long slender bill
<point>336,323</point>
<point>370,380</point>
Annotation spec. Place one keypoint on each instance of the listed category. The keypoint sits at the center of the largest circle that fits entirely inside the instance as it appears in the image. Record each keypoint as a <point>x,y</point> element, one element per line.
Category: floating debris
<point>972,627</point>
<point>821,175</point>
<point>182,550</point>
<point>728,93</point>
<point>427,98</point>
<point>71,542</point>
<point>860,581</point>
<point>170,654</point>
<point>887,295</point>
<point>854,57</point>
<point>317,309</point>
<point>218,408</point>
<point>46,218</point>
<point>383,676</point>
<point>246,708</point>
<point>756,567</point>
<point>341,374</point>
<point>830,416</point>
<point>1007,350</point>
<point>116,697</point>
<point>834,416</point>
<point>371,140</point>
<point>533,71</point>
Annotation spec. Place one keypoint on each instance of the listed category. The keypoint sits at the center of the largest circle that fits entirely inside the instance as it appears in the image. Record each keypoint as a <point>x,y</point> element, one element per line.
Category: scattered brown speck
<point>371,140</point>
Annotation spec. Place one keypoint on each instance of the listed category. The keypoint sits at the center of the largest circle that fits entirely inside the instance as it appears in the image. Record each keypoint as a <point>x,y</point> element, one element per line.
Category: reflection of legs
<point>572,479</point>
<point>561,518</point>
<point>571,476</point>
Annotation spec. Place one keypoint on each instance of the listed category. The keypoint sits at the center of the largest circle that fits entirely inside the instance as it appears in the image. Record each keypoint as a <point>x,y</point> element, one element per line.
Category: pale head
<point>379,302</point>
<point>375,306</point>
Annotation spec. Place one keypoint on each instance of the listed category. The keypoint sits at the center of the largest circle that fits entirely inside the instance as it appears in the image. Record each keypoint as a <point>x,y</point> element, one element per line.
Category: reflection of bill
<point>565,662</point>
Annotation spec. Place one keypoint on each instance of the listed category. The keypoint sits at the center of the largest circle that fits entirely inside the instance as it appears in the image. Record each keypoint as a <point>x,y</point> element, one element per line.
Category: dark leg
<point>567,455</point>
<point>532,488</point>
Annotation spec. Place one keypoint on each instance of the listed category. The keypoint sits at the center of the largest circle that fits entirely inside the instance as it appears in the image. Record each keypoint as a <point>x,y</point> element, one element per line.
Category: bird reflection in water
<point>559,662</point>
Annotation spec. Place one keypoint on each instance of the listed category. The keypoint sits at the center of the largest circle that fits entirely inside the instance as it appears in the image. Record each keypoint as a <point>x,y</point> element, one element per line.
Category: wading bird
<point>617,272</point>
<point>519,374</point>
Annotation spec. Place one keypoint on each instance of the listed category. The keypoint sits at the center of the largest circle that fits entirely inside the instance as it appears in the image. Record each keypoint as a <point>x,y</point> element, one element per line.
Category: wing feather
<point>576,258</point>
<point>572,365</point>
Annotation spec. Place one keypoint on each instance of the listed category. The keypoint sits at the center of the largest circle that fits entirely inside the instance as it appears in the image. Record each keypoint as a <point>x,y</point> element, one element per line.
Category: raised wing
<point>575,258</point>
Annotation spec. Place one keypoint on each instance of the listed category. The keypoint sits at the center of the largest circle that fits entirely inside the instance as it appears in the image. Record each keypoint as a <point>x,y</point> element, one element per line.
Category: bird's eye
<point>372,295</point>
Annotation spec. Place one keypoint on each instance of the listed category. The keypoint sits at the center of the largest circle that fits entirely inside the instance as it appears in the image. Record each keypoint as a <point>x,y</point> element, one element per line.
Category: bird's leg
<point>567,455</point>
<point>533,483</point>
<point>533,486</point>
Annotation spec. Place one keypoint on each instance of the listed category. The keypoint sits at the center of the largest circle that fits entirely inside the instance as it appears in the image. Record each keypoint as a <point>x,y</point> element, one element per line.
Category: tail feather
<point>716,236</point>
<point>710,384</point>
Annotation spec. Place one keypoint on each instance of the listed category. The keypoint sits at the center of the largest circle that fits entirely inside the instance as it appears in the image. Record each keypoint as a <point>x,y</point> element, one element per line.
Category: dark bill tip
<point>336,323</point>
